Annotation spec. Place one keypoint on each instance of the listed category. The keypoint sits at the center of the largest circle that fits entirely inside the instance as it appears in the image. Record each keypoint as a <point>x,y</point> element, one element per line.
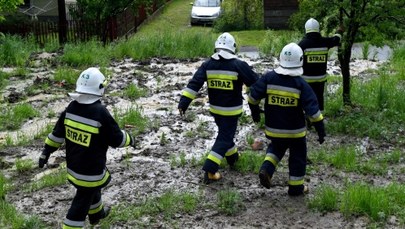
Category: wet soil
<point>147,171</point>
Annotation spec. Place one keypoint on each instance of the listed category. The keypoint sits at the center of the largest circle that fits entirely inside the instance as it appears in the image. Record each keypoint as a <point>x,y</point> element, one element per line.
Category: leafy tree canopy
<point>9,6</point>
<point>372,20</point>
<point>101,10</point>
<point>376,21</point>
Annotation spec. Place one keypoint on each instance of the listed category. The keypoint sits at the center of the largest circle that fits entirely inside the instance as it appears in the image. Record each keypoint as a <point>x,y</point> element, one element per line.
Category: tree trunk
<point>344,59</point>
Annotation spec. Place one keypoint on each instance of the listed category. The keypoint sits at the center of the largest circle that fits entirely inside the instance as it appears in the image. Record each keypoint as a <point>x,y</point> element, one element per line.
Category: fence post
<point>62,22</point>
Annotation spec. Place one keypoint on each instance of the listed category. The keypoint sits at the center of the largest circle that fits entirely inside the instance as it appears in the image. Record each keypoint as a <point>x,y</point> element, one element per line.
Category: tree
<point>240,15</point>
<point>8,6</point>
<point>363,20</point>
<point>102,10</point>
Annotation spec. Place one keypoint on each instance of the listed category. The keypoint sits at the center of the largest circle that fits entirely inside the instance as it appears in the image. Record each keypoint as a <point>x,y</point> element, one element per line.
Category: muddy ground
<point>146,171</point>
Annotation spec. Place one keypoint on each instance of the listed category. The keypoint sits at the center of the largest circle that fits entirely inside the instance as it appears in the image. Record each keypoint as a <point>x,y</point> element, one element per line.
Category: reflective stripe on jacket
<point>88,130</point>
<point>286,100</point>
<point>224,78</point>
<point>316,48</point>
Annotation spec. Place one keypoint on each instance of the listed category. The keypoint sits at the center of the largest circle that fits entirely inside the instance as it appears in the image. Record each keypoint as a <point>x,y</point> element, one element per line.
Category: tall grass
<point>378,109</point>
<point>15,51</point>
<point>274,41</point>
<point>11,118</point>
<point>166,44</point>
<point>9,216</point>
<point>133,120</point>
<point>360,199</point>
<point>166,205</point>
<point>91,53</point>
<point>229,202</point>
<point>66,75</point>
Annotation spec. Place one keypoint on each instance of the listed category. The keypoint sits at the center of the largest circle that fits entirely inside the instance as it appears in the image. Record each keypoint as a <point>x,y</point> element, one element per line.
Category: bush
<point>240,15</point>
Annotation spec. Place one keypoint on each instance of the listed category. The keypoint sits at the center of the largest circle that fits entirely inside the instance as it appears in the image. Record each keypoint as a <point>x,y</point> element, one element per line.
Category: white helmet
<point>91,81</point>
<point>227,42</point>
<point>291,59</point>
<point>311,25</point>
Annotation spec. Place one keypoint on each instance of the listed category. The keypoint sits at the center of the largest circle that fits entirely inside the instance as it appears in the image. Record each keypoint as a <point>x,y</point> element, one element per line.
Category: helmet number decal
<point>86,76</point>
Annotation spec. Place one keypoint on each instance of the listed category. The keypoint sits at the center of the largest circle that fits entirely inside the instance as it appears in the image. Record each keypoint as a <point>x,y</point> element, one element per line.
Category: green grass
<point>249,161</point>
<point>155,209</point>
<point>325,199</point>
<point>9,216</point>
<point>360,199</point>
<point>23,165</point>
<point>67,76</point>
<point>12,117</point>
<point>52,179</point>
<point>133,120</point>
<point>377,111</point>
<point>9,56</point>
<point>91,53</point>
<point>274,41</point>
<point>133,92</point>
<point>229,202</point>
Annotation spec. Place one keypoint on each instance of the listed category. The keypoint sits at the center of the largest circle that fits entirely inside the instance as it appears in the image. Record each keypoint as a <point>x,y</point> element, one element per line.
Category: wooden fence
<point>119,26</point>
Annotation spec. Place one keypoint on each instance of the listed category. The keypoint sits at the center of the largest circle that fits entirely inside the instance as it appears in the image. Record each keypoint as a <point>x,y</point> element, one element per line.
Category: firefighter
<point>87,129</point>
<point>316,48</point>
<point>287,96</point>
<point>225,75</point>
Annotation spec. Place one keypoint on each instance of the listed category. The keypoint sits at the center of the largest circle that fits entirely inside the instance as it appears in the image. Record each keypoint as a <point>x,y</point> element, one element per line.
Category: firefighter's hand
<point>43,159</point>
<point>255,110</point>
<point>182,112</point>
<point>320,129</point>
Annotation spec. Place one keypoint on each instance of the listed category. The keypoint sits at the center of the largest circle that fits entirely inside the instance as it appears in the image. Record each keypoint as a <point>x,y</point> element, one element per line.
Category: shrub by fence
<point>118,26</point>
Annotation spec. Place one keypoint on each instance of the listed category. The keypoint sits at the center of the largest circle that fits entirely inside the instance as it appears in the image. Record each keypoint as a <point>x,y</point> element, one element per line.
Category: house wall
<point>277,12</point>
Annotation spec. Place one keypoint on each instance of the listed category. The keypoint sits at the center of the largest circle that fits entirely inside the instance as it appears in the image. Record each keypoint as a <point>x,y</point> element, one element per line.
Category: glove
<point>183,105</point>
<point>255,110</point>
<point>43,159</point>
<point>320,129</point>
<point>182,112</point>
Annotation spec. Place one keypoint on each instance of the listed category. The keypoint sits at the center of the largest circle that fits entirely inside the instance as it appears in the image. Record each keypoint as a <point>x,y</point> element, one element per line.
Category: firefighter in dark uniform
<point>225,75</point>
<point>287,96</point>
<point>316,48</point>
<point>88,129</point>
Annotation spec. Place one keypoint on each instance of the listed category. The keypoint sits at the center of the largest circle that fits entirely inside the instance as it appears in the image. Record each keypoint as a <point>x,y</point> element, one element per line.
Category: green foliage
<point>169,204</point>
<point>274,41</point>
<point>240,15</point>
<point>8,46</point>
<point>378,112</point>
<point>11,218</point>
<point>52,179</point>
<point>134,92</point>
<point>325,199</point>
<point>133,119</point>
<point>3,186</point>
<point>249,161</point>
<point>11,118</point>
<point>66,75</point>
<point>23,165</point>
<point>166,44</point>
<point>9,6</point>
<point>229,202</point>
<point>387,18</point>
<point>86,54</point>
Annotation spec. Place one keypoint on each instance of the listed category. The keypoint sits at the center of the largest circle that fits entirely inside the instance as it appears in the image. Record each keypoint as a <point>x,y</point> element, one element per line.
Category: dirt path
<point>146,171</point>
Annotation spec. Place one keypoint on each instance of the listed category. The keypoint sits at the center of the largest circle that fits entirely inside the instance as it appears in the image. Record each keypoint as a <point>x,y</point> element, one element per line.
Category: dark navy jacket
<point>316,48</point>
<point>225,78</point>
<point>286,100</point>
<point>88,130</point>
